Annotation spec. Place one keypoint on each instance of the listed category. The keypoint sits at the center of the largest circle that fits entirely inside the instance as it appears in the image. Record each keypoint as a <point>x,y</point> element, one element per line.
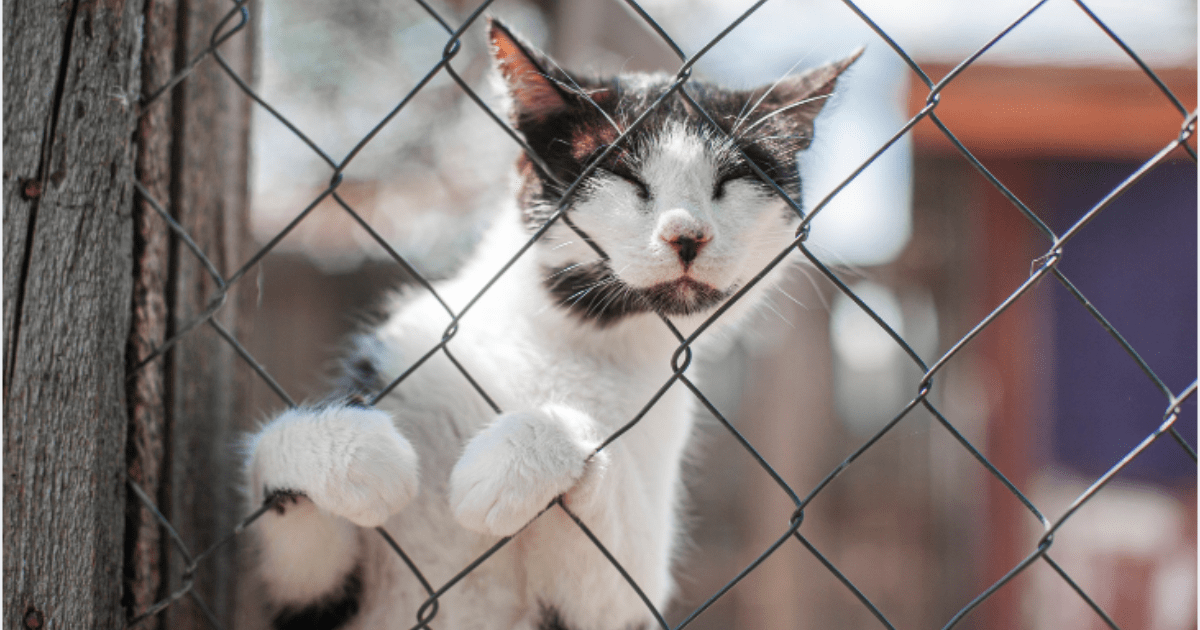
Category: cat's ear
<point>796,100</point>
<point>527,73</point>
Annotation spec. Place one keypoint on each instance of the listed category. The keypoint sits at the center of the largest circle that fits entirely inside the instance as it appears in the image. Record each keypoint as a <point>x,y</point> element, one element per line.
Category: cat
<point>569,343</point>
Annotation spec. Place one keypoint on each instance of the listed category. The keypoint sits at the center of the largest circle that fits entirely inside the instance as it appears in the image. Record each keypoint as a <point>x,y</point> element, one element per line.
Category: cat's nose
<point>684,233</point>
<point>688,246</point>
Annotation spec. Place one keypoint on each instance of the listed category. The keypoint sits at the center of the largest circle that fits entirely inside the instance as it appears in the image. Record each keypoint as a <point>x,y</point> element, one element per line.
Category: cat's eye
<point>616,166</point>
<point>740,171</point>
<point>719,189</point>
<point>643,190</point>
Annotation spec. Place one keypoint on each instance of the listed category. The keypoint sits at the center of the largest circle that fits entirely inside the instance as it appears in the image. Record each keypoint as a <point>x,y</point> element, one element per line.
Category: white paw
<point>513,469</point>
<point>349,461</point>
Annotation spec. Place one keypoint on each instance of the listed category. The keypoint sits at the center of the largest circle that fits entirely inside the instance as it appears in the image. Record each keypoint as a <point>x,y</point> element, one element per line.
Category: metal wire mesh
<point>1042,267</point>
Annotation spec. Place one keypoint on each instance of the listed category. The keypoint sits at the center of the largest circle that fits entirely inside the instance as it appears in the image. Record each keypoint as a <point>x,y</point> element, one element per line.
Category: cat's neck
<point>520,298</point>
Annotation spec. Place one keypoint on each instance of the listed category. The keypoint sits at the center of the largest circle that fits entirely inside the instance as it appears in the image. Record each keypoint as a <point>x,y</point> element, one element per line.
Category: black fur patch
<point>593,293</point>
<point>683,297</point>
<point>359,376</point>
<point>551,620</point>
<point>279,499</point>
<point>327,614</point>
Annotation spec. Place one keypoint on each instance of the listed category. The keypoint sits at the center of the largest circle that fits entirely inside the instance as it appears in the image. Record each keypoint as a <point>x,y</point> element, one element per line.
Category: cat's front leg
<point>328,470</point>
<point>511,470</point>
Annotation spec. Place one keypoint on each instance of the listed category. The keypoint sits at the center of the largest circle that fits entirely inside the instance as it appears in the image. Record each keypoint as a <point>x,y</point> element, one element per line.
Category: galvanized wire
<point>1041,267</point>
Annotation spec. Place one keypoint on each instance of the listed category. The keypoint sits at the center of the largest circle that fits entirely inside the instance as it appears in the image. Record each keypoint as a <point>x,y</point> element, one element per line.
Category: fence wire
<point>236,20</point>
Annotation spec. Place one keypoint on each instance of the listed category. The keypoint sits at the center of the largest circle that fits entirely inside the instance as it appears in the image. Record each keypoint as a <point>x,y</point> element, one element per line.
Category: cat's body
<point>569,346</point>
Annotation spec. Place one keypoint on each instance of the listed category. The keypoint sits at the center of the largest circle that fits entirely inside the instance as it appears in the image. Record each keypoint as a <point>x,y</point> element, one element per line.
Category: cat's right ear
<point>527,73</point>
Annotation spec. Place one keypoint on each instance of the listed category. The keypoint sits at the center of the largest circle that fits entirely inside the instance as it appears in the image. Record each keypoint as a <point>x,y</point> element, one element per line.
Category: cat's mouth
<point>682,296</point>
<point>595,293</point>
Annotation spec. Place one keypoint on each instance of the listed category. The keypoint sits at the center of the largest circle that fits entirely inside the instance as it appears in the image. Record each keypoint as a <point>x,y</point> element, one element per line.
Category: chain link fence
<point>1042,268</point>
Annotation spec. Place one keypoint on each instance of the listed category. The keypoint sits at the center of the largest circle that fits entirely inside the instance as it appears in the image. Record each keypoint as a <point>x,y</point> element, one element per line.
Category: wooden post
<point>70,83</point>
<point>148,393</point>
<point>210,198</point>
<point>93,282</point>
<point>193,153</point>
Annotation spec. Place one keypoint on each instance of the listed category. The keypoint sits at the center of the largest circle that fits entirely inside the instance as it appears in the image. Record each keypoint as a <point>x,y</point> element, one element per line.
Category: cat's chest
<point>613,391</point>
<point>520,357</point>
<point>639,403</point>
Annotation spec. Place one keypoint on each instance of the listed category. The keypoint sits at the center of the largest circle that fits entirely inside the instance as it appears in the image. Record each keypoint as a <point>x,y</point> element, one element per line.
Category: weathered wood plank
<point>146,449</point>
<point>68,122</point>
<point>211,196</point>
<point>32,63</point>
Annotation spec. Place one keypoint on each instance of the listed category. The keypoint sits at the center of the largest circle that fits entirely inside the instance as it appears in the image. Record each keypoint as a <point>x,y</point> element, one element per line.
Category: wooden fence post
<point>193,153</point>
<point>93,282</point>
<point>70,87</point>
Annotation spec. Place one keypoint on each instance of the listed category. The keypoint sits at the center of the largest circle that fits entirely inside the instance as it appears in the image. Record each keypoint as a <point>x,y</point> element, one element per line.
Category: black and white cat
<point>568,344</point>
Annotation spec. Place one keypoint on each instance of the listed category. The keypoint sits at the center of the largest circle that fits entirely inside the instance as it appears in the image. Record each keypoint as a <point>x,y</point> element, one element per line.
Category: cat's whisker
<point>808,275</point>
<point>766,93</point>
<point>842,264</point>
<point>578,295</point>
<point>793,136</point>
<point>602,305</point>
<point>790,297</point>
<point>740,118</point>
<point>803,101</point>
<point>621,291</point>
<point>564,270</point>
<point>766,302</point>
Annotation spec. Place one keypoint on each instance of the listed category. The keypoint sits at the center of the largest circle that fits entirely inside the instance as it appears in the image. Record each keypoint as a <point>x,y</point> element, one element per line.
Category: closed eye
<point>738,171</point>
<point>719,189</point>
<point>643,190</point>
<point>618,166</point>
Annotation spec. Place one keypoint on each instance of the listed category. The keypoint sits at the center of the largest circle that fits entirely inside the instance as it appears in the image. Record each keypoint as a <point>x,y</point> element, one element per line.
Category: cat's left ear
<point>798,99</point>
<point>530,75</point>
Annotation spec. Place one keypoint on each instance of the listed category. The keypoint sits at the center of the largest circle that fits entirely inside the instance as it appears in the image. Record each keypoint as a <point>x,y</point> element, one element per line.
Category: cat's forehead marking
<point>680,144</point>
<point>680,154</point>
<point>677,145</point>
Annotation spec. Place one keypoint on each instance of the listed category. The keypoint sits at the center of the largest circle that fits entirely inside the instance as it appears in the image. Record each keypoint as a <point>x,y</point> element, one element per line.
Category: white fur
<point>349,461</point>
<point>564,386</point>
<point>518,464</point>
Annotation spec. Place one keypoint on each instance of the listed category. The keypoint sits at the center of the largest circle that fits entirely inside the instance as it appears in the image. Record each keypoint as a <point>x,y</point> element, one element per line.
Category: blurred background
<point>1056,110</point>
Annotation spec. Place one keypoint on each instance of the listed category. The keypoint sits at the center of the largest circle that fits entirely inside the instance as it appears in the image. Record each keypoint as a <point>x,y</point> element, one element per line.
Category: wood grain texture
<point>210,197</point>
<point>148,392</point>
<point>30,85</point>
<point>69,72</point>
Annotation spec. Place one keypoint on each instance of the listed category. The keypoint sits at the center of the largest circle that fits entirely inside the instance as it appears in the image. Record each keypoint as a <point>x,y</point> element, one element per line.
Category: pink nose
<point>687,246</point>
<point>685,233</point>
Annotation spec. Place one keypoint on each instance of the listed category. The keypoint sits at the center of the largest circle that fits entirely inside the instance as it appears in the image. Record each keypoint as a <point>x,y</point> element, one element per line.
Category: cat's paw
<point>513,469</point>
<point>350,461</point>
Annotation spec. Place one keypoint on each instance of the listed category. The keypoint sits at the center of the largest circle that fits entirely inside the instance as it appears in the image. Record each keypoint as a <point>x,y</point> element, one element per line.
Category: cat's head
<point>682,218</point>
